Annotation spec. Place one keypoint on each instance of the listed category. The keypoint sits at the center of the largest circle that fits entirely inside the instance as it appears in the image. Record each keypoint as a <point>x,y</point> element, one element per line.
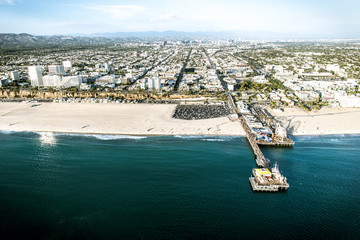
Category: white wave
<point>208,137</point>
<point>102,136</point>
<point>117,137</point>
<point>213,139</point>
<point>7,132</point>
<point>47,138</point>
<point>189,136</point>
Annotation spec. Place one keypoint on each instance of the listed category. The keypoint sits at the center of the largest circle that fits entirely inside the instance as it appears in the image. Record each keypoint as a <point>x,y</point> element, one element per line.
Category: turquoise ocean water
<point>173,187</point>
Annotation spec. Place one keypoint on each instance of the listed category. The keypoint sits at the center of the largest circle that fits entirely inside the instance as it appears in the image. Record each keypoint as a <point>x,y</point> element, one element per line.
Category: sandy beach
<point>155,119</point>
<point>120,119</point>
<point>322,122</point>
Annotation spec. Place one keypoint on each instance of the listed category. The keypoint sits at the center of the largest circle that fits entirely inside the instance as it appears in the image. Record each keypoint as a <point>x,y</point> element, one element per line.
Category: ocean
<point>66,186</point>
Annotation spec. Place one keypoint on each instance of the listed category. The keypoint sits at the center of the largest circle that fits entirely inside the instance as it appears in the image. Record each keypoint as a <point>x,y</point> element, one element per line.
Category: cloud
<point>119,11</point>
<point>7,2</point>
<point>167,17</point>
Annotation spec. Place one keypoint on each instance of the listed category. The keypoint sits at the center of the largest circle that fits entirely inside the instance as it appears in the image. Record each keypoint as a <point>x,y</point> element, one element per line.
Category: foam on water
<point>213,139</point>
<point>47,138</point>
<point>117,137</point>
<point>208,138</point>
<point>102,136</point>
<point>7,132</point>
<point>189,136</point>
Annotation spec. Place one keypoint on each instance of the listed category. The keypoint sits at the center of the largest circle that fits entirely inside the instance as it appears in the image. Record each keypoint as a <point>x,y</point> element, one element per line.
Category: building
<point>125,80</point>
<point>157,83</point>
<point>231,87</point>
<point>103,67</point>
<point>71,81</point>
<point>52,81</point>
<point>14,75</point>
<point>85,86</point>
<point>106,67</point>
<point>56,69</point>
<point>150,83</point>
<point>35,76</point>
<point>106,79</point>
<point>67,65</point>
<point>4,82</point>
<point>154,83</point>
<point>260,79</point>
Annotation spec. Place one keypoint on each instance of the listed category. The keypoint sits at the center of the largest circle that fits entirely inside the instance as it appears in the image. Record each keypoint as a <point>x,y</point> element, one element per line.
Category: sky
<point>317,18</point>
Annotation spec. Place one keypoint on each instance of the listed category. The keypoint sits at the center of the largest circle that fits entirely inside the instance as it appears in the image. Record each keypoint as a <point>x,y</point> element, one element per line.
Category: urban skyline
<point>329,19</point>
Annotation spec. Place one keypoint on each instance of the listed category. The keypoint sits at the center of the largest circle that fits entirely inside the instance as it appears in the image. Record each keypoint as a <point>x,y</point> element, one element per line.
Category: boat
<point>268,180</point>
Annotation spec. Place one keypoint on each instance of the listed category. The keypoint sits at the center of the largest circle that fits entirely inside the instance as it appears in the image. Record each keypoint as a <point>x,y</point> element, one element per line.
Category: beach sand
<point>325,121</point>
<point>155,119</point>
<point>120,119</point>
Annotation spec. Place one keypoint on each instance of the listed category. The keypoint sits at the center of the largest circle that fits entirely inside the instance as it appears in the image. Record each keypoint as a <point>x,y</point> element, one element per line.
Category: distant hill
<point>24,39</point>
<point>211,35</point>
<point>171,34</point>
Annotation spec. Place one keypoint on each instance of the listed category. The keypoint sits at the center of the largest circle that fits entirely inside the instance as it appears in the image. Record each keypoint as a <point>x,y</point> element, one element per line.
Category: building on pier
<point>267,180</point>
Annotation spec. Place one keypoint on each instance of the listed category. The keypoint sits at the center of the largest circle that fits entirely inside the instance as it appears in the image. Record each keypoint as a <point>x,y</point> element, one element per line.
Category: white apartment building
<point>157,83</point>
<point>52,81</point>
<point>60,81</point>
<point>35,76</point>
<point>14,75</point>
<point>56,69</point>
<point>71,81</point>
<point>67,65</point>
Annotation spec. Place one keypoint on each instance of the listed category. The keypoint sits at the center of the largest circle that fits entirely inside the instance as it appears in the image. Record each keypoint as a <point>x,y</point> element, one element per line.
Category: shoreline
<point>120,134</point>
<point>165,135</point>
<point>109,119</point>
<point>156,120</point>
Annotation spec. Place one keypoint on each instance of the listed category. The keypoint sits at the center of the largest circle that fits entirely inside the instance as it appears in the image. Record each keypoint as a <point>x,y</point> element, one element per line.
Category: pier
<point>261,161</point>
<point>265,178</point>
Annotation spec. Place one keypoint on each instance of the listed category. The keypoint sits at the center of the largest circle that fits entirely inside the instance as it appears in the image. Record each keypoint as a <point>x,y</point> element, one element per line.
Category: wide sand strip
<point>127,119</point>
<point>325,121</point>
<point>155,119</point>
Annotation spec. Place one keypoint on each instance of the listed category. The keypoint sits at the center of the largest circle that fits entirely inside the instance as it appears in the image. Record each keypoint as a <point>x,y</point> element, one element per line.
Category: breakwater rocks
<point>193,112</point>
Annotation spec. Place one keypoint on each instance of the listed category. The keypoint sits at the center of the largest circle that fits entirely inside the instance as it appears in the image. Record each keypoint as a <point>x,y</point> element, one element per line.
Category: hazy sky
<point>308,17</point>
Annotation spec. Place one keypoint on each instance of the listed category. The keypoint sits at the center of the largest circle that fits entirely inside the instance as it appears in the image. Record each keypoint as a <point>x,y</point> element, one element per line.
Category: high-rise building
<point>154,83</point>
<point>150,83</point>
<point>157,83</point>
<point>56,69</point>
<point>67,65</point>
<point>14,75</point>
<point>35,76</point>
<point>106,67</point>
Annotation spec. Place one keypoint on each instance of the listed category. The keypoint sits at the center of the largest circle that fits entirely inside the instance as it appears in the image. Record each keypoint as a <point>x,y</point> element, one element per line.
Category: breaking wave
<point>117,137</point>
<point>102,136</point>
<point>213,139</point>
<point>7,132</point>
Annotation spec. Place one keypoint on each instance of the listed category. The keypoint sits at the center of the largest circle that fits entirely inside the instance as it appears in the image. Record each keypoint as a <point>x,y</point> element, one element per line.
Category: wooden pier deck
<point>287,143</point>
<point>261,161</point>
